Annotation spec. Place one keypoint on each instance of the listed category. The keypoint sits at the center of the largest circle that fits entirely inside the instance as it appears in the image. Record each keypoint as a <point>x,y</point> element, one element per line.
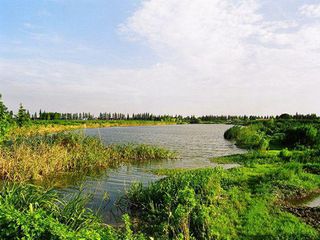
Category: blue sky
<point>161,56</point>
<point>46,29</point>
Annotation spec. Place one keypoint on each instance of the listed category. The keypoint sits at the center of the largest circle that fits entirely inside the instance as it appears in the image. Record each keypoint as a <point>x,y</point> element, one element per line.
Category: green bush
<point>247,137</point>
<point>301,136</point>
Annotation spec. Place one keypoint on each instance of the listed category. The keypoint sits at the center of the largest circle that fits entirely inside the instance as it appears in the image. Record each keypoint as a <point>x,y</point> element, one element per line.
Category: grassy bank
<point>276,134</point>
<point>41,157</point>
<point>253,201</point>
<point>222,204</point>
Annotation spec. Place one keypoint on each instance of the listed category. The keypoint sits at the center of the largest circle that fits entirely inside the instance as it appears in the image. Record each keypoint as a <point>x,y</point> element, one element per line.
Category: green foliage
<point>30,212</point>
<point>4,120</point>
<point>285,154</point>
<point>301,136</point>
<point>276,134</point>
<point>221,204</point>
<point>247,137</point>
<point>22,118</point>
<point>138,153</point>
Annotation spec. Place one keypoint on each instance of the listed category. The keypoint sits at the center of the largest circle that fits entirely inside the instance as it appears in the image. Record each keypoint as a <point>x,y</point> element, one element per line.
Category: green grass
<point>247,202</point>
<point>222,204</point>
<point>272,156</point>
<point>29,212</point>
<point>250,137</point>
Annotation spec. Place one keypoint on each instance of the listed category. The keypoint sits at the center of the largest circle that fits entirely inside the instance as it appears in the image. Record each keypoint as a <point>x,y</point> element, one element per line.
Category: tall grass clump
<point>43,156</point>
<point>133,153</point>
<point>31,212</point>
<point>40,157</point>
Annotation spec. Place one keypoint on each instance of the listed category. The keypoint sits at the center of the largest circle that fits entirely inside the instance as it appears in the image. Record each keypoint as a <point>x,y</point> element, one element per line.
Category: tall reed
<point>40,157</point>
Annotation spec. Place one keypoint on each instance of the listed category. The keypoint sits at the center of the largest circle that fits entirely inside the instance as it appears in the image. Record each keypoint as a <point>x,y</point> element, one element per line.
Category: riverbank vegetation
<point>254,201</point>
<point>222,204</point>
<point>31,212</point>
<point>262,199</point>
<point>31,152</point>
<point>48,156</point>
<point>31,156</point>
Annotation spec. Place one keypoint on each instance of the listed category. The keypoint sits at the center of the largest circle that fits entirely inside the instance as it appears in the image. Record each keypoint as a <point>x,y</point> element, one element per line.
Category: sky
<point>255,57</point>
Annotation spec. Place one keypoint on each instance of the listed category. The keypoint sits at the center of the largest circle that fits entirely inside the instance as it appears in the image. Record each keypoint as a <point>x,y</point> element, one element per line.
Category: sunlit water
<point>195,144</point>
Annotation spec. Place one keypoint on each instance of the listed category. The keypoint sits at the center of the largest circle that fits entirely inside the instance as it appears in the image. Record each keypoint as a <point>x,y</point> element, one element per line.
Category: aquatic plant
<point>135,153</point>
<point>41,157</point>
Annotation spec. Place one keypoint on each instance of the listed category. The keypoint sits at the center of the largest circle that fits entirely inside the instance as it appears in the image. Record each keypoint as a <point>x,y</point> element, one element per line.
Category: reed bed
<point>40,157</point>
<point>132,153</point>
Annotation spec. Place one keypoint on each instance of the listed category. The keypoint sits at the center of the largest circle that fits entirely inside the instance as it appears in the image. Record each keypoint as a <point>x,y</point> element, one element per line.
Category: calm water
<point>195,144</point>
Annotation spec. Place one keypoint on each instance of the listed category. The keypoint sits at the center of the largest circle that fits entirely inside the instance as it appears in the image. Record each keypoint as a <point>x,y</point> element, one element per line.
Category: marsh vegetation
<point>261,199</point>
<point>49,156</point>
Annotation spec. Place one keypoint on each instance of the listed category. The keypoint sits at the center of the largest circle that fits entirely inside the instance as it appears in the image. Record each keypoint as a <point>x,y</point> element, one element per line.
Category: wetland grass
<point>248,202</point>
<point>242,203</point>
<point>32,212</point>
<point>40,157</point>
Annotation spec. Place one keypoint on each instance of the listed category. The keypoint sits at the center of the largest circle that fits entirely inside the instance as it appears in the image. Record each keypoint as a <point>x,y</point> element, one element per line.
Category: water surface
<point>195,144</point>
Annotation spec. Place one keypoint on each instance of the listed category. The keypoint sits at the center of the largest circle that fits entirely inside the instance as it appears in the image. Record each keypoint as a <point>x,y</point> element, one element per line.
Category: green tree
<point>4,120</point>
<point>22,118</point>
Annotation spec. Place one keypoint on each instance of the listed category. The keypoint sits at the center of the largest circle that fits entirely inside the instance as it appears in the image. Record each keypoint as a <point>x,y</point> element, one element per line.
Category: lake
<point>195,144</point>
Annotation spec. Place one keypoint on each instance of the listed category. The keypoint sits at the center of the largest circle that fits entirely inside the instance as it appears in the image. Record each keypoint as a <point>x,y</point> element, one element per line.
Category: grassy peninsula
<point>261,199</point>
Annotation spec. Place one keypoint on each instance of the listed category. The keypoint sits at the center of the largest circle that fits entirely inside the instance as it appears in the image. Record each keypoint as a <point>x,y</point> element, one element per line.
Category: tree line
<point>23,117</point>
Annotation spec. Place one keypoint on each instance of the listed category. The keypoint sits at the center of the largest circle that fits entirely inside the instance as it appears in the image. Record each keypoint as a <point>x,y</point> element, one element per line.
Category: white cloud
<point>215,56</point>
<point>223,44</point>
<point>311,10</point>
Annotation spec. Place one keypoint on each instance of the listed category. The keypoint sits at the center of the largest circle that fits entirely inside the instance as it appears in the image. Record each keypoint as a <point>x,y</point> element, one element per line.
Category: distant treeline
<point>23,116</point>
<point>43,115</point>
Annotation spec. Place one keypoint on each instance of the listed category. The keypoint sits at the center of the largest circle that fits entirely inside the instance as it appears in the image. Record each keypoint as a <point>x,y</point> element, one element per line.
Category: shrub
<point>300,136</point>
<point>247,137</point>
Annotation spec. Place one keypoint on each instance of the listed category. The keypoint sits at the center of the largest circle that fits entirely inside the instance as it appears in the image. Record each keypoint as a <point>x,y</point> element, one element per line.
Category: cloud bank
<point>214,57</point>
